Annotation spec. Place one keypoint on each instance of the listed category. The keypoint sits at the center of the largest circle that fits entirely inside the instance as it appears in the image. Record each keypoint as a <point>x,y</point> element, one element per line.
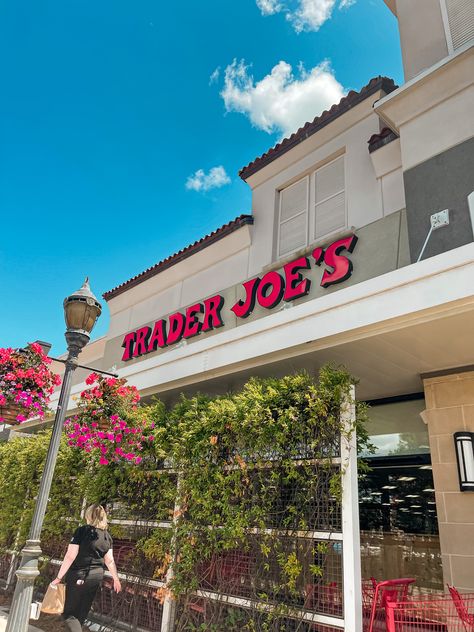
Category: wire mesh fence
<point>450,613</point>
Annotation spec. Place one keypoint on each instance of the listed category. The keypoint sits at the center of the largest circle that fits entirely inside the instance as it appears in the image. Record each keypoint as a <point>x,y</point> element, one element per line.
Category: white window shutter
<point>461,21</point>
<point>330,198</point>
<point>293,217</point>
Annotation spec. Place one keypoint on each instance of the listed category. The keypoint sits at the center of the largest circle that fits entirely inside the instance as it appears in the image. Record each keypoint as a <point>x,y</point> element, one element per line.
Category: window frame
<point>310,227</point>
<point>447,27</point>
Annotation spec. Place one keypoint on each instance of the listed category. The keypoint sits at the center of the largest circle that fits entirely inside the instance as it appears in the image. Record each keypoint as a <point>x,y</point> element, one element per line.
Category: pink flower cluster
<point>104,423</point>
<point>119,442</point>
<point>26,381</point>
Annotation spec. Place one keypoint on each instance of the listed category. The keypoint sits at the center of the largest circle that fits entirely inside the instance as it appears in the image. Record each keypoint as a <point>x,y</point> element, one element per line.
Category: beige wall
<point>374,192</point>
<point>433,113</point>
<point>382,247</point>
<point>422,35</point>
<point>366,195</point>
<point>450,408</point>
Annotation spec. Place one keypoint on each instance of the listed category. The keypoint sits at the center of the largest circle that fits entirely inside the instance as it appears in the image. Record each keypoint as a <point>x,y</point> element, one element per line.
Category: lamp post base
<point>22,598</point>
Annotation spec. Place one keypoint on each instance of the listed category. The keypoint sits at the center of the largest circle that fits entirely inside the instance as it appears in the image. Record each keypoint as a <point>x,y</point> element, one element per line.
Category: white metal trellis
<point>349,535</point>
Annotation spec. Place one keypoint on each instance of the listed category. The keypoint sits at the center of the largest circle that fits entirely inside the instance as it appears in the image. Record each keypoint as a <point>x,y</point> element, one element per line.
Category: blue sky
<point>108,109</point>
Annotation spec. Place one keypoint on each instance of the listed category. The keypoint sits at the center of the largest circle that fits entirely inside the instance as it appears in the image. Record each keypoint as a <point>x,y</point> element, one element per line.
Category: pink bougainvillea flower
<point>37,348</point>
<point>111,401</point>
<point>103,461</point>
<point>90,379</point>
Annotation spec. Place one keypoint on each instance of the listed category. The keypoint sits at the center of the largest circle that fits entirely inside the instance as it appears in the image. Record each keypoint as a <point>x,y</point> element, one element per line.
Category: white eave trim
<point>416,293</point>
<point>418,80</point>
<point>420,292</point>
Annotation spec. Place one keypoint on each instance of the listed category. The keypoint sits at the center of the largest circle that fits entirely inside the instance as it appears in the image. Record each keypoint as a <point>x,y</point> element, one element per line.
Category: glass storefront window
<point>397,429</point>
<point>398,520</point>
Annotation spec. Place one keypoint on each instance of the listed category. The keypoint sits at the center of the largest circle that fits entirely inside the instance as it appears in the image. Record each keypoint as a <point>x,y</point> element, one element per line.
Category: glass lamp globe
<point>81,310</point>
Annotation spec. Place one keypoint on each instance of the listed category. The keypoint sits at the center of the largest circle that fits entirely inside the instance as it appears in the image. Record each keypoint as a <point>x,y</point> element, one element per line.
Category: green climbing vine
<point>241,481</point>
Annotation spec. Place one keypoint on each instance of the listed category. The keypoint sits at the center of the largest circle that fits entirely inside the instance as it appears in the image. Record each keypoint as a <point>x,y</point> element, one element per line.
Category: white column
<point>168,618</point>
<point>350,520</point>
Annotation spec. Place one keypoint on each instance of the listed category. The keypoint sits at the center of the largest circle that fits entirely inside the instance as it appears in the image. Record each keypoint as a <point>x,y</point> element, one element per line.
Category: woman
<point>83,567</point>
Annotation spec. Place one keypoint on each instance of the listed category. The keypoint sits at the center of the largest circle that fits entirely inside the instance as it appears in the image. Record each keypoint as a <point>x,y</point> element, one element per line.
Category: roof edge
<point>385,136</point>
<point>351,99</point>
<point>188,251</point>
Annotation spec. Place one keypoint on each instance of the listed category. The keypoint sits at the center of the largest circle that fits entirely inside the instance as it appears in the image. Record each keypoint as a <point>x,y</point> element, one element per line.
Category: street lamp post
<point>81,310</point>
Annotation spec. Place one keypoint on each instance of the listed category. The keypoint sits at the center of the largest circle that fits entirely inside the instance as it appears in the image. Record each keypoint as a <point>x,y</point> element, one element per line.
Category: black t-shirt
<point>93,543</point>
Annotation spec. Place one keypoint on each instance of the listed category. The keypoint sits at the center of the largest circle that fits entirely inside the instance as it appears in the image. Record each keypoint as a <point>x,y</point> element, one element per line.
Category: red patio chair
<point>466,618</point>
<point>387,591</point>
<point>324,598</point>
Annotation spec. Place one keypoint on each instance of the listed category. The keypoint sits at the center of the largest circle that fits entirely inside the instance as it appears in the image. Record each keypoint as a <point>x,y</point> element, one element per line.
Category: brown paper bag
<point>53,602</point>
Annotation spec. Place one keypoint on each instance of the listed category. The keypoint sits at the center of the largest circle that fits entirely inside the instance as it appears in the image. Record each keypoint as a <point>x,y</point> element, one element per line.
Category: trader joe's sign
<point>267,291</point>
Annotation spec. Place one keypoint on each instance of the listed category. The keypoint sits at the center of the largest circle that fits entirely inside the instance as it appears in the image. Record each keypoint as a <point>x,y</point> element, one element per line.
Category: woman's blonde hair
<point>96,516</point>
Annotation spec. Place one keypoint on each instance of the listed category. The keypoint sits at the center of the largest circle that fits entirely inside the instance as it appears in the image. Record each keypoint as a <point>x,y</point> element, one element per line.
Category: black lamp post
<point>81,311</point>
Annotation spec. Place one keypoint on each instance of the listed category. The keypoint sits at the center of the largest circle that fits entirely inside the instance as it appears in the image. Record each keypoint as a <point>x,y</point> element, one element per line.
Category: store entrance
<point>398,519</point>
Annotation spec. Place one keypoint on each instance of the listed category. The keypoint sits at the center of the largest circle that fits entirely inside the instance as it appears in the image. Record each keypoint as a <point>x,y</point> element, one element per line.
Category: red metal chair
<point>433,613</point>
<point>384,592</point>
<point>463,613</point>
<point>326,598</point>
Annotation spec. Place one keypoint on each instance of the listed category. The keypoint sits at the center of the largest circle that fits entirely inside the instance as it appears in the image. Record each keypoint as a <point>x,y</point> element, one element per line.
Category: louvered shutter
<point>330,198</point>
<point>293,217</point>
<point>461,21</point>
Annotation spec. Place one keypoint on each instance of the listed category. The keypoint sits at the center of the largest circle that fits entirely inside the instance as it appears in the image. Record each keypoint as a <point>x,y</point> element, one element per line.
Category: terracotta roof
<point>385,136</point>
<point>190,250</point>
<point>345,104</point>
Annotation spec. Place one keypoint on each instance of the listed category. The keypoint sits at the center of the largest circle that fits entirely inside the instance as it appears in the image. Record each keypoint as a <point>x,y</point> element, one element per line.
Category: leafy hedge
<point>234,454</point>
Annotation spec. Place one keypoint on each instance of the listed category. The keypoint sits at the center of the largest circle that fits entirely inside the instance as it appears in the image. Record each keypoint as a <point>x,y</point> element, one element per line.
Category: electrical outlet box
<point>440,219</point>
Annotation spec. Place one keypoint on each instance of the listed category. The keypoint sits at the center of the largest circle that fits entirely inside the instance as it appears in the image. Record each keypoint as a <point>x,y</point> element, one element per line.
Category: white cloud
<point>304,15</point>
<point>280,101</point>
<point>269,7</point>
<point>310,14</point>
<point>214,76</point>
<point>202,181</point>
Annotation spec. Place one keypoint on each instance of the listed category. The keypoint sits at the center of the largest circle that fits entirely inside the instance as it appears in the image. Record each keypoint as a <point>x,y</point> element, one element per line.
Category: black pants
<point>79,597</point>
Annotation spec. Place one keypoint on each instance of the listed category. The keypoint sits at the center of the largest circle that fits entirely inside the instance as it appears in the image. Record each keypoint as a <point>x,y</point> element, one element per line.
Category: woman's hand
<point>117,585</point>
<point>56,581</point>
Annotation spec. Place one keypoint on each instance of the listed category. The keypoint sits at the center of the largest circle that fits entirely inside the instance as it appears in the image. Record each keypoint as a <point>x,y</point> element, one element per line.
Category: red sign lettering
<point>192,325</point>
<point>342,266</point>
<point>270,290</point>
<point>295,285</point>
<point>242,309</point>
<point>267,292</point>
<point>158,337</point>
<point>212,313</point>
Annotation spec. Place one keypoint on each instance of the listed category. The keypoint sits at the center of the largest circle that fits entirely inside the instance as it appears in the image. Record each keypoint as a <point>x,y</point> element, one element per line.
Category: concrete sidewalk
<point>3,621</point>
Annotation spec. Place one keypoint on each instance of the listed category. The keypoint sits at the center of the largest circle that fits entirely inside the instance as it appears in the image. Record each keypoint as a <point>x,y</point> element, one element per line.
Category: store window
<point>312,207</point>
<point>398,519</point>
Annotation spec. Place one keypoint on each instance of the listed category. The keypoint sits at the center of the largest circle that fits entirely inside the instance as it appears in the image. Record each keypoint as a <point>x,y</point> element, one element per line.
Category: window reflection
<point>398,519</point>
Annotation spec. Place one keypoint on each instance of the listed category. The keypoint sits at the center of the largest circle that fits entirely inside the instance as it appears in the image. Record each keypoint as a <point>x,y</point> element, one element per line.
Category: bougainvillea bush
<point>109,422</point>
<point>26,382</point>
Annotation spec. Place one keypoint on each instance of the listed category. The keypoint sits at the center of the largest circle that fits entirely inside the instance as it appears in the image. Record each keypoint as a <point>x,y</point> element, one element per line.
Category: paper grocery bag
<point>53,602</point>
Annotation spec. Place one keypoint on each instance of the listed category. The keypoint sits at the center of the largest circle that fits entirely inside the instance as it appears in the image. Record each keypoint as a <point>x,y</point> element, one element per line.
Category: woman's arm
<point>71,554</point>
<point>110,563</point>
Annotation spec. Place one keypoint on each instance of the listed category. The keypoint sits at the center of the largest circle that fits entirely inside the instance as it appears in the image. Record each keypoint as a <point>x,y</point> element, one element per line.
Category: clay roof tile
<point>184,253</point>
<point>351,99</point>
